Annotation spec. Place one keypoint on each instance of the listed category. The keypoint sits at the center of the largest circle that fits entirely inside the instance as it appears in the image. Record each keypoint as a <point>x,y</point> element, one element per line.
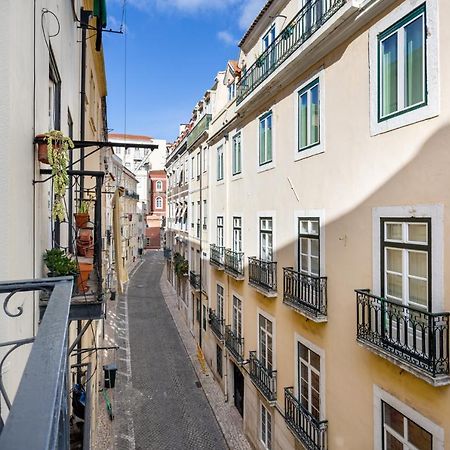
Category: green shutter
<point>100,11</point>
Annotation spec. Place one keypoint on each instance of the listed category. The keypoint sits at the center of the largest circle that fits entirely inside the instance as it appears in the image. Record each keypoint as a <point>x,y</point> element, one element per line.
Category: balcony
<point>234,264</point>
<point>216,324</point>
<point>198,229</point>
<point>234,344</point>
<point>198,130</point>
<point>216,256</point>
<point>311,433</point>
<point>167,253</point>
<point>308,20</point>
<point>262,275</point>
<point>416,340</point>
<point>264,379</point>
<point>306,294</point>
<point>194,279</point>
<point>39,416</point>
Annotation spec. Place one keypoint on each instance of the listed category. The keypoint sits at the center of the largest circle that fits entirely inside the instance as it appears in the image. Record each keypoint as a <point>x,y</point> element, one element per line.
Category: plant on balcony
<point>82,214</point>
<point>288,31</point>
<point>59,263</point>
<point>57,155</point>
<point>259,60</point>
<point>181,265</point>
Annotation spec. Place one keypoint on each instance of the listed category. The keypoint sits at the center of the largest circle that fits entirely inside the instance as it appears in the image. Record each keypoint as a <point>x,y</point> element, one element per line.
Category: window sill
<point>265,167</point>
<point>308,152</point>
<point>237,176</point>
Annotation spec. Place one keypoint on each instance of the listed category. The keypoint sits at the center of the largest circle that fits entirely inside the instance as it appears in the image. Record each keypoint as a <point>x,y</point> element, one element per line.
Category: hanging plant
<point>58,157</point>
<point>181,265</point>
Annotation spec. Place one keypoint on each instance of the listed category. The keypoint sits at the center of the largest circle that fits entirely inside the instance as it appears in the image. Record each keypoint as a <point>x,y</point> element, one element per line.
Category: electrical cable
<point>43,13</point>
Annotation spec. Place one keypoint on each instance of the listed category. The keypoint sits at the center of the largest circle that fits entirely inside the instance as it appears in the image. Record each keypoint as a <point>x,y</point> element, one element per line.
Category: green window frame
<point>309,116</point>
<point>236,154</point>
<point>265,138</point>
<point>402,78</point>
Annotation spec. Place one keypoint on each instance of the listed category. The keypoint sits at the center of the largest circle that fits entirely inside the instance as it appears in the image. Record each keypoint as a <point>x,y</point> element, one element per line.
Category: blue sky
<point>174,50</point>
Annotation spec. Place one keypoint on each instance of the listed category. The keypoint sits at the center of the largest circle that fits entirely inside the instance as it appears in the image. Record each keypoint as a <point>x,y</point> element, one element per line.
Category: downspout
<point>201,250</point>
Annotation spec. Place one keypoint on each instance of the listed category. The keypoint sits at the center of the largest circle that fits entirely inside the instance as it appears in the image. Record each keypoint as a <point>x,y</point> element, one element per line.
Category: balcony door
<point>220,231</point>
<point>312,14</point>
<point>237,234</point>
<point>237,317</point>
<point>267,41</point>
<point>309,246</point>
<point>265,348</point>
<point>265,239</point>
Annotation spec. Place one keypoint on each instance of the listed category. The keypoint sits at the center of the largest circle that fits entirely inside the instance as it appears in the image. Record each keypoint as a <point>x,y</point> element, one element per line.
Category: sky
<point>174,49</point>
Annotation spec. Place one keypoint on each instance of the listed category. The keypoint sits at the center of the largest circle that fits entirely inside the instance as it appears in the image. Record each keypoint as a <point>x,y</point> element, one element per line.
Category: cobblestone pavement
<point>159,403</point>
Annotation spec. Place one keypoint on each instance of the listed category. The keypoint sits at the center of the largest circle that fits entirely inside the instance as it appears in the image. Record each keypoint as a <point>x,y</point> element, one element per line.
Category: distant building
<point>156,208</point>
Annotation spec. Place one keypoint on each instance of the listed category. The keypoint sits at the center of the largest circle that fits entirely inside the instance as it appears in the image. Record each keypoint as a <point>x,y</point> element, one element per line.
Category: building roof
<point>128,137</point>
<point>258,17</point>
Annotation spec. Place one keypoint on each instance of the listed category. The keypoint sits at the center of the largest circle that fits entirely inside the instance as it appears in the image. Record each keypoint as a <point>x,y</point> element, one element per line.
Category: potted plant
<point>59,264</point>
<point>181,265</point>
<point>82,215</point>
<point>57,155</point>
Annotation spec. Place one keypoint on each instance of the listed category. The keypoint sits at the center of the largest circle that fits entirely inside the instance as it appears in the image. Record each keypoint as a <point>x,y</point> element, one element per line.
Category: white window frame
<point>266,443</point>
<point>238,228</point>
<point>432,107</point>
<point>222,227</point>
<point>233,154</point>
<point>239,312</point>
<point>156,203</point>
<point>380,396</point>
<point>158,185</point>
<point>436,213</point>
<point>268,232</point>
<point>263,117</point>
<point>220,311</point>
<point>263,313</point>
<point>298,338</point>
<point>261,215</point>
<point>220,163</point>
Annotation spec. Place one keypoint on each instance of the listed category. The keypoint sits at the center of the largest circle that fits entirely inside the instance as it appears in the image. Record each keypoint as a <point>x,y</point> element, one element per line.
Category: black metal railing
<point>198,229</point>
<point>234,343</point>
<point>416,337</point>
<point>308,20</point>
<point>265,379</point>
<point>262,274</point>
<point>201,126</point>
<point>234,262</point>
<point>194,279</point>
<point>216,324</point>
<point>167,253</point>
<point>39,416</point>
<point>305,292</point>
<point>311,432</point>
<point>216,255</point>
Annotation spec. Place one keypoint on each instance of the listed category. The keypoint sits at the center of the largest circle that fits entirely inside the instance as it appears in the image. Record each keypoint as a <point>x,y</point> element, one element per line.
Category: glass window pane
<point>269,138</point>
<point>393,418</point>
<point>314,115</point>
<point>418,292</point>
<point>414,62</point>
<point>418,264</point>
<point>417,232</point>
<point>419,437</point>
<point>314,266</point>
<point>394,231</point>
<point>304,245</point>
<point>303,121</point>
<point>303,352</point>
<point>304,227</point>
<point>315,360</point>
<point>314,227</point>
<point>304,264</point>
<point>315,247</point>
<point>394,260</point>
<point>262,141</point>
<point>394,286</point>
<point>392,443</point>
<point>389,75</point>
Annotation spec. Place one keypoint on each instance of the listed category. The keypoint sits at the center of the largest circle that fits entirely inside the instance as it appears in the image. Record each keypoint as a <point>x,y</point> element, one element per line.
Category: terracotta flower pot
<point>83,277</point>
<point>81,219</point>
<point>42,149</point>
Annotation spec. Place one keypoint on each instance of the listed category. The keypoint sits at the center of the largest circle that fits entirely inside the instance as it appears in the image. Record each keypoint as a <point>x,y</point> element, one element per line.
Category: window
<point>231,91</point>
<point>220,231</point>
<point>265,239</point>
<point>308,367</point>
<point>265,347</point>
<point>401,432</point>
<point>237,234</point>
<point>236,154</point>
<point>159,186</point>
<point>192,214</point>
<point>406,261</point>
<point>309,246</point>
<point>266,427</point>
<point>265,138</point>
<point>401,69</point>
<point>309,116</point>
<point>54,92</point>
<point>205,159</point>
<point>192,168</point>
<point>219,360</point>
<point>205,215</point>
<point>267,40</point>
<point>220,163</point>
<point>204,317</point>
<point>219,302</point>
<point>198,164</point>
<point>237,317</point>
<point>159,203</point>
<point>199,311</point>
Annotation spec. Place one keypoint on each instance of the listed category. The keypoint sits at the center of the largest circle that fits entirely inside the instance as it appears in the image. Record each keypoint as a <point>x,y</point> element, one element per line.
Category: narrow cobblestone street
<point>159,402</point>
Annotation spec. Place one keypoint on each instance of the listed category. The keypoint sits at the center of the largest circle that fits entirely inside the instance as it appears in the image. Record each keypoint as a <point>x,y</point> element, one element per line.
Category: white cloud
<point>249,11</point>
<point>226,37</point>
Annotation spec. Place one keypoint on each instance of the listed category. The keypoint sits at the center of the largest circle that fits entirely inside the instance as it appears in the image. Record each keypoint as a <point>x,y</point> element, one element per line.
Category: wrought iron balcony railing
<point>199,129</point>
<point>234,264</point>
<point>262,275</point>
<point>39,417</point>
<point>216,255</point>
<point>308,20</point>
<point>305,293</point>
<point>198,229</point>
<point>216,324</point>
<point>410,337</point>
<point>234,344</point>
<point>264,379</point>
<point>167,253</point>
<point>194,279</point>
<point>306,428</point>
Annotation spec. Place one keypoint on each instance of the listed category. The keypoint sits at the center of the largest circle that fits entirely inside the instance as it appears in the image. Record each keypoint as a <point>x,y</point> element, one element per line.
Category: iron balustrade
<point>262,274</point>
<point>234,343</point>
<point>216,324</point>
<point>201,126</point>
<point>216,255</point>
<point>414,336</point>
<point>311,432</point>
<point>265,379</point>
<point>234,262</point>
<point>167,253</point>
<point>308,20</point>
<point>305,293</point>
<point>198,229</point>
<point>194,279</point>
<point>39,416</point>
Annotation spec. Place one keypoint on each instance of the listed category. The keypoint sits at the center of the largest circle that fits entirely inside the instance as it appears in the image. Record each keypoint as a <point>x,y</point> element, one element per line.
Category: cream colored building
<point>328,179</point>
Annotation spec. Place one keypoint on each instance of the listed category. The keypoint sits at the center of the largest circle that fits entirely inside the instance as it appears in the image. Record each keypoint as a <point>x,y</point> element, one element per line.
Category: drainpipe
<point>201,249</point>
